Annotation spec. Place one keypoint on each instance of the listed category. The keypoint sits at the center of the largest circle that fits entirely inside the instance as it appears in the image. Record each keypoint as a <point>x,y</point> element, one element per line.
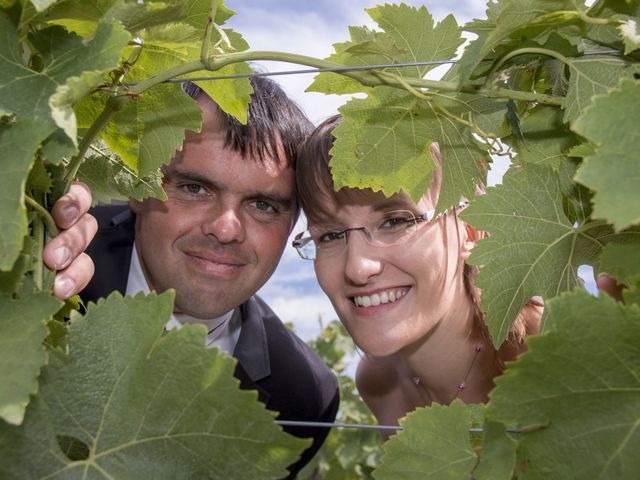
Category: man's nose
<point>362,261</point>
<point>225,224</point>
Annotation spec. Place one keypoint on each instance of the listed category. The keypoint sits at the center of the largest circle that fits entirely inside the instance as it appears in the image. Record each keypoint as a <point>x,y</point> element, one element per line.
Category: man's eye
<point>265,206</point>
<point>331,237</point>
<point>193,188</point>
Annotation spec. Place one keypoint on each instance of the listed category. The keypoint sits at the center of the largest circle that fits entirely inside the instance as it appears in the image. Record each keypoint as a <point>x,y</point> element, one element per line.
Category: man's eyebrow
<point>173,174</point>
<point>170,174</point>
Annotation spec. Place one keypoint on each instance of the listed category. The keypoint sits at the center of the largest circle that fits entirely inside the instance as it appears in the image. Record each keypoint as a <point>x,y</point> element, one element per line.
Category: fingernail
<point>61,256</point>
<point>64,287</point>
<point>70,213</point>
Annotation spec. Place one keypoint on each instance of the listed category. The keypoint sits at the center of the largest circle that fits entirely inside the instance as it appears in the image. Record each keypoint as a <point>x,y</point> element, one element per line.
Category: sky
<point>311,28</point>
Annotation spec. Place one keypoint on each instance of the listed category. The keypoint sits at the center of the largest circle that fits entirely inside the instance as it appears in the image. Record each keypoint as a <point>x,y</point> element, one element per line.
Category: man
<point>216,240</point>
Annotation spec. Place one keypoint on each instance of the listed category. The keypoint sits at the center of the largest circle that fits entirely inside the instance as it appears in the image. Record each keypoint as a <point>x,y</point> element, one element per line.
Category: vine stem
<point>206,42</point>
<point>594,21</point>
<point>523,51</point>
<point>117,102</point>
<point>375,79</point>
<point>42,212</point>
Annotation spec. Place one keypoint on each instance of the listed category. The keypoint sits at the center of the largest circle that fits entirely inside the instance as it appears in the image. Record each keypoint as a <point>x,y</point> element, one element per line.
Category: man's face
<point>219,236</point>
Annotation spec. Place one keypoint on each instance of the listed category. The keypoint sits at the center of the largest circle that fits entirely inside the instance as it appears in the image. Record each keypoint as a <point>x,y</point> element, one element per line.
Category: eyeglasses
<point>390,228</point>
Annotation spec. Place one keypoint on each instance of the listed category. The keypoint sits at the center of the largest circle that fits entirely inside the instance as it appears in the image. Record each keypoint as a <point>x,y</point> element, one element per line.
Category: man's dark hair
<point>273,118</point>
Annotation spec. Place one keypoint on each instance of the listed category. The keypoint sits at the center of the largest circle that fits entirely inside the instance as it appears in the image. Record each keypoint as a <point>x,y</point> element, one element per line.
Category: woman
<point>396,275</point>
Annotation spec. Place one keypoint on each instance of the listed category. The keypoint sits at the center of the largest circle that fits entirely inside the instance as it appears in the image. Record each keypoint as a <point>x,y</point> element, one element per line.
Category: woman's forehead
<point>347,203</point>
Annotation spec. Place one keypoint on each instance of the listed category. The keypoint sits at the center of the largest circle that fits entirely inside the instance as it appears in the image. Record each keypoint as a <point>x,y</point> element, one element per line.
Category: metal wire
<point>376,66</point>
<point>296,423</point>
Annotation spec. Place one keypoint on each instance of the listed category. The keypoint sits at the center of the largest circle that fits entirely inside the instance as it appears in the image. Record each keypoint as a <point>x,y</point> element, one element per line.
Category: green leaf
<point>66,96</point>
<point>533,248</point>
<point>434,444</point>
<point>577,392</point>
<point>613,171</point>
<point>546,138</point>
<point>621,261</point>
<point>409,35</point>
<point>42,4</point>
<point>173,44</point>
<point>22,330</point>
<point>413,32</point>
<point>147,132</point>
<point>353,53</point>
<point>110,179</point>
<point>82,16</point>
<point>383,144</point>
<point>20,142</point>
<point>26,93</point>
<point>505,18</point>
<point>498,456</point>
<point>591,76</point>
<point>132,401</point>
<point>630,32</point>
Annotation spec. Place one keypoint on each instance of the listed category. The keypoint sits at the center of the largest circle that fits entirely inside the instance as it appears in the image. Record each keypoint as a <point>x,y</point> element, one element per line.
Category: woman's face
<point>391,297</point>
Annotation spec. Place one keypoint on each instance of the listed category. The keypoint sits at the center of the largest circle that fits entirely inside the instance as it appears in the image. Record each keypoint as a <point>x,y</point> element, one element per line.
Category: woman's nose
<point>362,261</point>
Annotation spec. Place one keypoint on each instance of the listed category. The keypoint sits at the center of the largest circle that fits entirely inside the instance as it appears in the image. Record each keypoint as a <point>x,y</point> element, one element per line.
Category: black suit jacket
<point>289,377</point>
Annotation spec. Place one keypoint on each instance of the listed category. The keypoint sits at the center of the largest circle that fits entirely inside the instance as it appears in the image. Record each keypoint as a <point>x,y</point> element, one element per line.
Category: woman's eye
<point>396,222</point>
<point>331,237</point>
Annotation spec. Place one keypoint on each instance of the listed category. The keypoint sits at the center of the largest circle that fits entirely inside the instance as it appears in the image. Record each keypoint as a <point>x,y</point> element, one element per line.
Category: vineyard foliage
<point>553,84</point>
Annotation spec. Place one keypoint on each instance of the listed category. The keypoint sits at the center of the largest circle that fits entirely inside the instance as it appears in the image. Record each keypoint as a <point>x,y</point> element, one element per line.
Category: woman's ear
<point>470,239</point>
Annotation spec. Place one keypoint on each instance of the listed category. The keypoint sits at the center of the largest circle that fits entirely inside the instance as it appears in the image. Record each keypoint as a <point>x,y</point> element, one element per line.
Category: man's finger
<point>68,244</point>
<point>74,278</point>
<point>72,205</point>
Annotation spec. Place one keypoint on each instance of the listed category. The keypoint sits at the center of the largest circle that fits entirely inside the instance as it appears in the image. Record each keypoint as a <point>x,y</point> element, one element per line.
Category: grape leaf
<point>413,31</point>
<point>383,143</point>
<point>147,132</point>
<point>409,35</point>
<point>498,455</point>
<point>131,401</point>
<point>546,138</point>
<point>621,261</point>
<point>26,93</point>
<point>630,32</point>
<point>434,443</point>
<point>591,76</point>
<point>505,18</point>
<point>22,330</point>
<point>613,171</point>
<point>20,143</point>
<point>533,248</point>
<point>42,4</point>
<point>578,390</point>
<point>172,44</point>
<point>110,179</point>
<point>81,16</point>
<point>348,54</point>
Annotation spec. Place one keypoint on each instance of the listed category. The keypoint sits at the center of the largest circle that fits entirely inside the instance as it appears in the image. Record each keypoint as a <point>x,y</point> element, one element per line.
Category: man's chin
<point>195,308</point>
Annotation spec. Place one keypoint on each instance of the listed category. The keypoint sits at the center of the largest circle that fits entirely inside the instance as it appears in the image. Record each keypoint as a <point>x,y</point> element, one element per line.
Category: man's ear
<point>470,239</point>
<point>135,206</point>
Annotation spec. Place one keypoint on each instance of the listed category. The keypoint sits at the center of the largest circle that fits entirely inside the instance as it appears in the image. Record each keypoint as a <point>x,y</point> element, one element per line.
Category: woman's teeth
<point>388,296</point>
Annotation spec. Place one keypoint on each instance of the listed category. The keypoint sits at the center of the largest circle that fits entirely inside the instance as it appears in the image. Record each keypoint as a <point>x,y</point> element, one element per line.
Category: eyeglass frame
<point>299,242</point>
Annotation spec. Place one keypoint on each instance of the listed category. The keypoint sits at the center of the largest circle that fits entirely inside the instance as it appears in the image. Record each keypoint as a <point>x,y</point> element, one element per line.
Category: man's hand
<point>65,252</point>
